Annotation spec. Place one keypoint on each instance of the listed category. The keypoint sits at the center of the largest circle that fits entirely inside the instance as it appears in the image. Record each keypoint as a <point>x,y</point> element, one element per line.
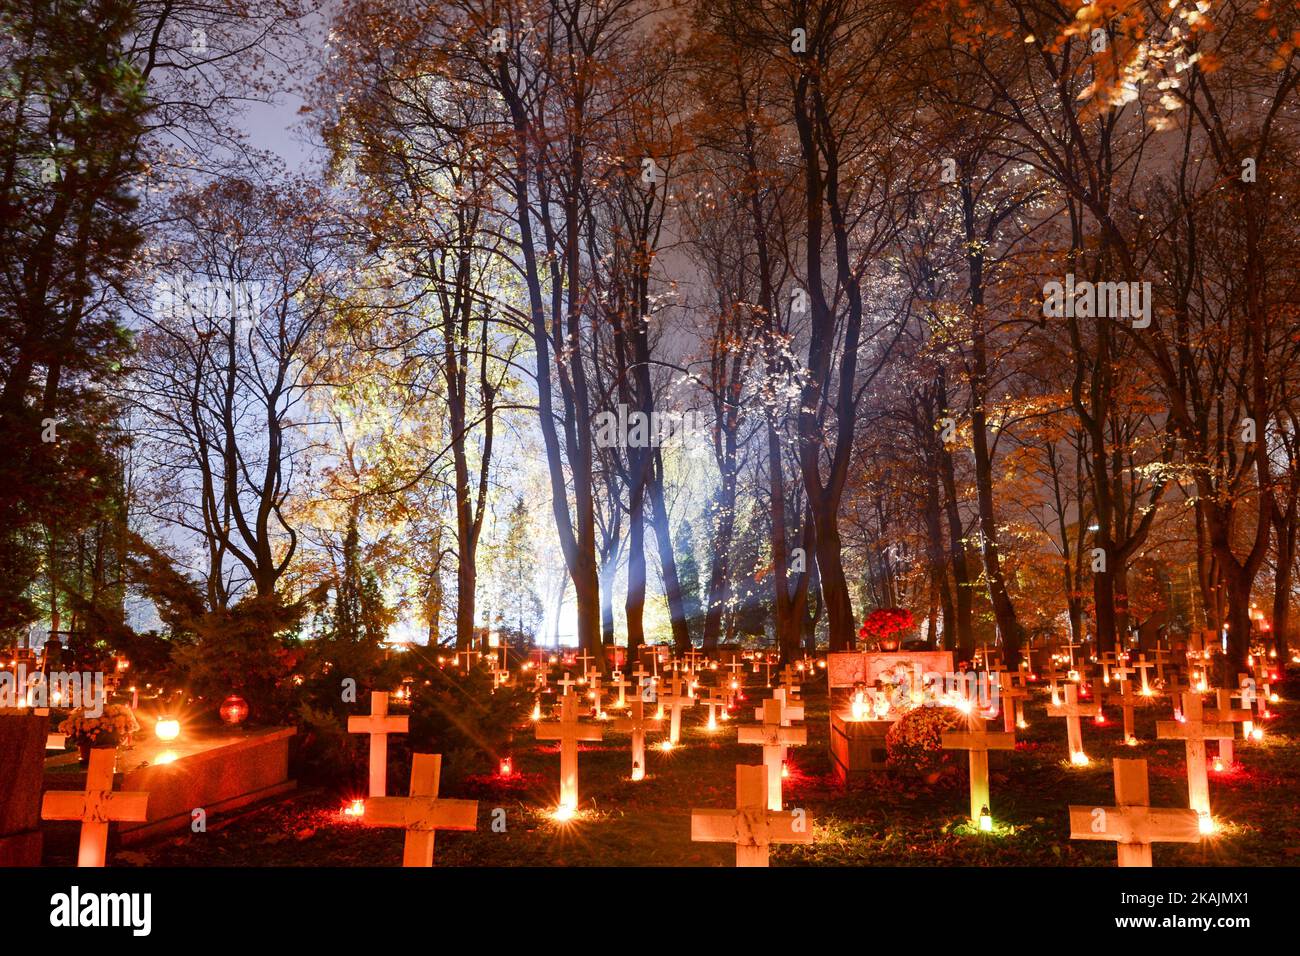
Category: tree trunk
<point>962,597</point>
<point>1286,555</point>
<point>1103,595</point>
<point>667,557</point>
<point>607,570</point>
<point>939,594</point>
<point>810,611</point>
<point>719,565</point>
<point>636,570</point>
<point>1004,611</point>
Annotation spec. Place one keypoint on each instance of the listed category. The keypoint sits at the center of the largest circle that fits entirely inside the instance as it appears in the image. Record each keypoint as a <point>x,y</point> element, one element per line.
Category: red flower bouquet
<point>883,625</point>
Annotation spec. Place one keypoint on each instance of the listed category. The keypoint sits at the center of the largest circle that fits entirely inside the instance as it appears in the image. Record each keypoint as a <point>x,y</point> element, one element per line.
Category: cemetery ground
<point>890,820</point>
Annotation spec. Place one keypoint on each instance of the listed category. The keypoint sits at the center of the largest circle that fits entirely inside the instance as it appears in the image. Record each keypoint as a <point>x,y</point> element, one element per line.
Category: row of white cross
<point>759,818</point>
<point>1132,823</point>
<point>757,821</point>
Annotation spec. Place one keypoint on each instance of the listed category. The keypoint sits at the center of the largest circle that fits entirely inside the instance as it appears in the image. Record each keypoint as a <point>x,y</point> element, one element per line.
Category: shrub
<point>247,650</point>
<point>326,753</point>
<point>459,716</point>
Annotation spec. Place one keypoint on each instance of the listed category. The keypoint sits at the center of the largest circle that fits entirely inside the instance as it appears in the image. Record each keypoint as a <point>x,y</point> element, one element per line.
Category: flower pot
<point>102,742</point>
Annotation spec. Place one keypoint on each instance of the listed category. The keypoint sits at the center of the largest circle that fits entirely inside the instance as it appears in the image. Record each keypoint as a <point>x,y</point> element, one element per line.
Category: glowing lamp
<point>986,821</point>
<point>167,728</point>
<point>537,711</point>
<point>1218,765</point>
<point>1132,741</point>
<point>785,771</point>
<point>1207,825</point>
<point>507,767</point>
<point>858,707</point>
<point>1100,718</point>
<point>1022,724</point>
<point>665,745</point>
<point>563,813</point>
<point>1079,758</point>
<point>356,808</point>
<point>234,710</point>
<point>1257,733</point>
<point>964,706</point>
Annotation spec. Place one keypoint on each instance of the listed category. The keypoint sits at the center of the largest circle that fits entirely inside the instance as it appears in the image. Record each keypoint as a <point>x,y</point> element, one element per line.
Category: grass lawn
<point>888,822</point>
